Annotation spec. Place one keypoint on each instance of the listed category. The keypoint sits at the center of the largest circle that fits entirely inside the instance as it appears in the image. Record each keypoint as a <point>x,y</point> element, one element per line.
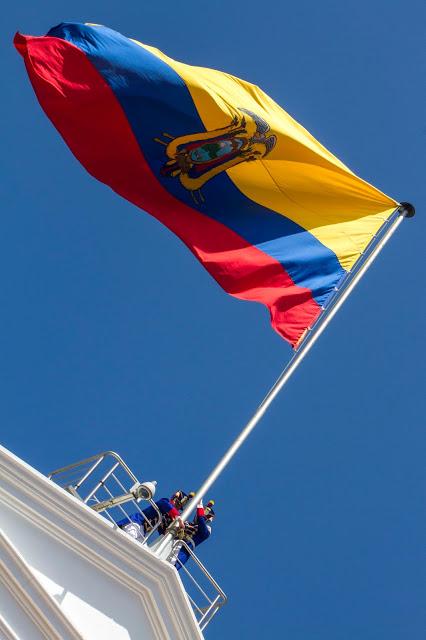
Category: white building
<point>68,572</point>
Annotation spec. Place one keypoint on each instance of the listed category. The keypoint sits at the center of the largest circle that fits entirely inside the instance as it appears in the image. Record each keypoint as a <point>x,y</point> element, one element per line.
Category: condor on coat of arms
<point>197,158</point>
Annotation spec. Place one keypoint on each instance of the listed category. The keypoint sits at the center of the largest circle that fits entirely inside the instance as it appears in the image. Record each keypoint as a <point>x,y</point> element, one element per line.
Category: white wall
<point>17,621</point>
<point>99,579</point>
<point>96,602</point>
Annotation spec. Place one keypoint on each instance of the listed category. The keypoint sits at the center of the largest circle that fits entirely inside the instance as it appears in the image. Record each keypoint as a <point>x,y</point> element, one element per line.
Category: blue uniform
<point>202,533</point>
<point>165,507</point>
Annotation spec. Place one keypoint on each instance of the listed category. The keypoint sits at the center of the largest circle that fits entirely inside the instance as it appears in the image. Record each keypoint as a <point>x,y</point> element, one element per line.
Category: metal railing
<point>212,595</point>
<point>105,477</point>
<point>102,477</point>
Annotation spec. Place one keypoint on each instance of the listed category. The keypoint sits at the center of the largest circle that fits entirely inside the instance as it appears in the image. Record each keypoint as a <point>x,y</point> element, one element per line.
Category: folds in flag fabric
<point>270,213</point>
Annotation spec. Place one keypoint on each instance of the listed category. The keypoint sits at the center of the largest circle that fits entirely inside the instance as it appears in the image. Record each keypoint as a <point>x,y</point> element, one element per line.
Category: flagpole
<point>405,210</point>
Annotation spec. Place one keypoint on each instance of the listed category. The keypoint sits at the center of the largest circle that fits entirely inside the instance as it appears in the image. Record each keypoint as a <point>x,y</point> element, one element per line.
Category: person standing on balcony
<point>138,524</point>
<point>194,534</point>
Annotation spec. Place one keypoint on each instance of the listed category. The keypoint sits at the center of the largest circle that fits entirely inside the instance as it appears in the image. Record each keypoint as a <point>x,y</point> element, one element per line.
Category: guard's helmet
<point>209,511</point>
<point>180,498</point>
<point>177,498</point>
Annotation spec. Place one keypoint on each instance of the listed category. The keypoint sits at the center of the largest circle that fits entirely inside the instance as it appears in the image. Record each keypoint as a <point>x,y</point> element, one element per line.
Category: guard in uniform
<point>138,526</point>
<point>195,532</point>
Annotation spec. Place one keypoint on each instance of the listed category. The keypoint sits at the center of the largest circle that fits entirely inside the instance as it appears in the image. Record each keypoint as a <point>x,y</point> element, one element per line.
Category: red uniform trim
<point>173,513</point>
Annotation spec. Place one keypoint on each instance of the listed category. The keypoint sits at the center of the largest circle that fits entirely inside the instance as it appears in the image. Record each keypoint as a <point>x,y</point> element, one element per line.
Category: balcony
<point>106,484</point>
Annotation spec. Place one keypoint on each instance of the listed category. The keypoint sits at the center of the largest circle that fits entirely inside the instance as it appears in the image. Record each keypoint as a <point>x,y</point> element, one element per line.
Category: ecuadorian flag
<point>270,213</point>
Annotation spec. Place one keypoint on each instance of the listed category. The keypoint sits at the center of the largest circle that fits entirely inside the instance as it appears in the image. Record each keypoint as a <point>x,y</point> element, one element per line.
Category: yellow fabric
<point>299,178</point>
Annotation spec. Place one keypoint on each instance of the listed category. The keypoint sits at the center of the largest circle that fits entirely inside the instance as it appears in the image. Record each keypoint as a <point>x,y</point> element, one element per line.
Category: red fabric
<point>200,512</point>
<point>173,513</point>
<point>85,111</point>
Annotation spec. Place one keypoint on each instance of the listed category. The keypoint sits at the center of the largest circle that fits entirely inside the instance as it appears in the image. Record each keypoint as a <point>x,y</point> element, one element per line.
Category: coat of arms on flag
<point>196,158</point>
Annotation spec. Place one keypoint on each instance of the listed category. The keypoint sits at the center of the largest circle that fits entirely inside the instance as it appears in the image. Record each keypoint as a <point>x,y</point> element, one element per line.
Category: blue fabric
<point>164,505</point>
<point>202,534</point>
<point>155,99</point>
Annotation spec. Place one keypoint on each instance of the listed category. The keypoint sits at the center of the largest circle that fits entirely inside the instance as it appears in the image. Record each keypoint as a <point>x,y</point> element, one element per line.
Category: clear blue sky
<point>114,337</point>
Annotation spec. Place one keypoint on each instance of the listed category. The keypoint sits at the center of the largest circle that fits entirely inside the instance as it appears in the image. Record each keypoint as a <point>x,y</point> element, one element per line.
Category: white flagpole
<point>405,210</point>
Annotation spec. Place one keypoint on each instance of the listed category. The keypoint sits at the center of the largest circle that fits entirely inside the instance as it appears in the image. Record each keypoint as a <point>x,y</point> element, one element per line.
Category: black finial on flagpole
<point>407,210</point>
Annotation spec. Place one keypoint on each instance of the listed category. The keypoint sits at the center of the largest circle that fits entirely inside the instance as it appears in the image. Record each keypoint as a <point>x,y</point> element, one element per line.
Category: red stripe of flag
<point>87,114</point>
